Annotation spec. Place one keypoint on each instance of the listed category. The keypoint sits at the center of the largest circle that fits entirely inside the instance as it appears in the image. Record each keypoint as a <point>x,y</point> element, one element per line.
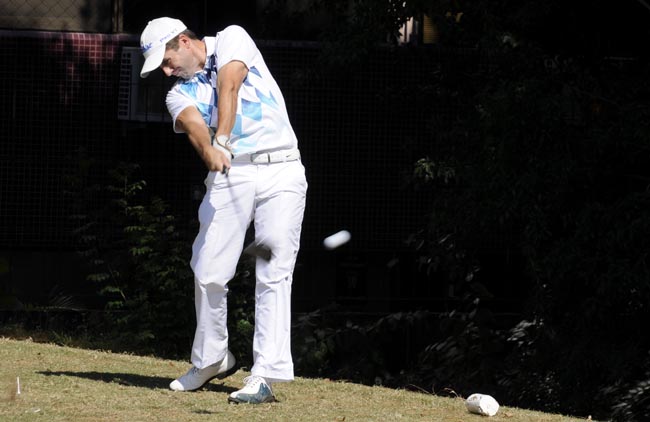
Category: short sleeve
<point>234,43</point>
<point>177,102</point>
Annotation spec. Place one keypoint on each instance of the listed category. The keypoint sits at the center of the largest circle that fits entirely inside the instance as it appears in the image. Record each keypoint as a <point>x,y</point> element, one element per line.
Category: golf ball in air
<point>337,239</point>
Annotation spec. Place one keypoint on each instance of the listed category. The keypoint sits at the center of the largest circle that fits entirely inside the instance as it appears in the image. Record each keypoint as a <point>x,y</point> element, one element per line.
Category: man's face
<point>180,63</point>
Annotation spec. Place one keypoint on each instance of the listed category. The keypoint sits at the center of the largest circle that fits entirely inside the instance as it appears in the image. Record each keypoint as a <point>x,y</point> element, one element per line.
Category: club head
<point>258,250</point>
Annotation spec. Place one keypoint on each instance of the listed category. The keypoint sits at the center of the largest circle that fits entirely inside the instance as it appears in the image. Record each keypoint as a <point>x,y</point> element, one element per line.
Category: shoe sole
<point>219,376</point>
<point>237,401</point>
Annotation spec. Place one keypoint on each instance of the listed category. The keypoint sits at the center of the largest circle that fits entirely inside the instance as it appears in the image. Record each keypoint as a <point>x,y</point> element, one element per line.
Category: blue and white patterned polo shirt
<point>262,122</point>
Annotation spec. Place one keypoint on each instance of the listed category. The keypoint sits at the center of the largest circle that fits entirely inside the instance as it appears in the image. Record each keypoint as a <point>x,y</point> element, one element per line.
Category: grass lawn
<point>68,384</point>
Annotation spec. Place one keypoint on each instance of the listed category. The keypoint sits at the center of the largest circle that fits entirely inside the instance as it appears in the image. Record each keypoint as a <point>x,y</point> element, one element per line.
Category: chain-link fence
<point>58,15</point>
<point>125,16</point>
<point>60,91</point>
<point>359,141</point>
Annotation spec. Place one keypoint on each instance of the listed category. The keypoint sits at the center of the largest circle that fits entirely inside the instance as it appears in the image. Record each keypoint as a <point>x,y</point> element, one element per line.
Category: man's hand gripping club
<point>222,143</point>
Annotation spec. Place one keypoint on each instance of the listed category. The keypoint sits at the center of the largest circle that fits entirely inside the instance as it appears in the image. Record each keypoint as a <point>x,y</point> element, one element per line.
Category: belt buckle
<point>256,156</point>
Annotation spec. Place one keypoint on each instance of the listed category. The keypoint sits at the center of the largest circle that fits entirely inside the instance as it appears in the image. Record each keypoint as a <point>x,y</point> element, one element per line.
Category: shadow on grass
<point>132,380</point>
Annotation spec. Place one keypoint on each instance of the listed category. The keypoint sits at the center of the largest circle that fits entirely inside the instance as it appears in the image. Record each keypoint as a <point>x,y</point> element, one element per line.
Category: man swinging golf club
<point>234,115</point>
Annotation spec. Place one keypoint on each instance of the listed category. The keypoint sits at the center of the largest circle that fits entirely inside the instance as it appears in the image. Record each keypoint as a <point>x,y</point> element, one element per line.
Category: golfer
<point>234,115</point>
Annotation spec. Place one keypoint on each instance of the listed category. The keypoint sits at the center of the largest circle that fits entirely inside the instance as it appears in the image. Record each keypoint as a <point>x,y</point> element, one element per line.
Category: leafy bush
<point>373,351</point>
<point>138,257</point>
<point>545,161</point>
<point>548,165</point>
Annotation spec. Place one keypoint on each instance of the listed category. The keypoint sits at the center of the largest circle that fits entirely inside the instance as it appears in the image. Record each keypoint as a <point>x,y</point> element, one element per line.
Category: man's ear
<point>184,40</point>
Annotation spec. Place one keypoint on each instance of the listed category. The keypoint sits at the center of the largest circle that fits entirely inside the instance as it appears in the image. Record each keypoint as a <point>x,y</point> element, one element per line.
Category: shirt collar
<point>209,50</point>
<point>210,59</point>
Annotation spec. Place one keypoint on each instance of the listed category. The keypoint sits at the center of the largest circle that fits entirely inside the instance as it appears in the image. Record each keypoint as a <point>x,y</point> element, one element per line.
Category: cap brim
<point>153,61</point>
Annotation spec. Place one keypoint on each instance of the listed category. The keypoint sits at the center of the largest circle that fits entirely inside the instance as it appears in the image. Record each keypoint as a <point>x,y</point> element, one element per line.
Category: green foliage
<point>138,259</point>
<point>634,403</point>
<point>313,343</point>
<point>543,163</point>
<point>362,23</point>
<point>371,351</point>
<point>549,165</point>
<point>138,256</point>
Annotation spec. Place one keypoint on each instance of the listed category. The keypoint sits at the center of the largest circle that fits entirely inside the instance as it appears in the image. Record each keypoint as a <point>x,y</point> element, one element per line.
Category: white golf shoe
<point>196,378</point>
<point>255,391</point>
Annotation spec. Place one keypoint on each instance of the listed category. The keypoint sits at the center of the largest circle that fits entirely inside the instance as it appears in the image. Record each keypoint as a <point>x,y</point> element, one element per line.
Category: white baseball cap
<point>153,41</point>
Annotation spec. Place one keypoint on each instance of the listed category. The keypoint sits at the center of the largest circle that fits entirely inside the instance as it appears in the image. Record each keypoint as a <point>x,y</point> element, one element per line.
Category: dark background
<point>514,257</point>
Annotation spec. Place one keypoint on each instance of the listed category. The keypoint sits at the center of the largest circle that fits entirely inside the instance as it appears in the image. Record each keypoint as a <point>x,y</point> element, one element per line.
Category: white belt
<point>268,157</point>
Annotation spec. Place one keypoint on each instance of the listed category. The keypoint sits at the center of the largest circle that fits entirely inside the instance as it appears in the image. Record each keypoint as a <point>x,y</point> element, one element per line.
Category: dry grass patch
<point>66,384</point>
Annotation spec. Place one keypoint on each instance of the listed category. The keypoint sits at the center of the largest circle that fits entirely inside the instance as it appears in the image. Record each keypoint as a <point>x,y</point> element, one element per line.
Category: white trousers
<point>273,196</point>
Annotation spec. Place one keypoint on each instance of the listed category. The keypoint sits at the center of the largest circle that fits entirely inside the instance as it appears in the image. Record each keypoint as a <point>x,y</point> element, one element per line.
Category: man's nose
<point>167,70</point>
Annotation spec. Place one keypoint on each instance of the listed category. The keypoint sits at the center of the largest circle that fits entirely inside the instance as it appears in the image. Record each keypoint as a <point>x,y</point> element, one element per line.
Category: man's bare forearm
<point>199,136</point>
